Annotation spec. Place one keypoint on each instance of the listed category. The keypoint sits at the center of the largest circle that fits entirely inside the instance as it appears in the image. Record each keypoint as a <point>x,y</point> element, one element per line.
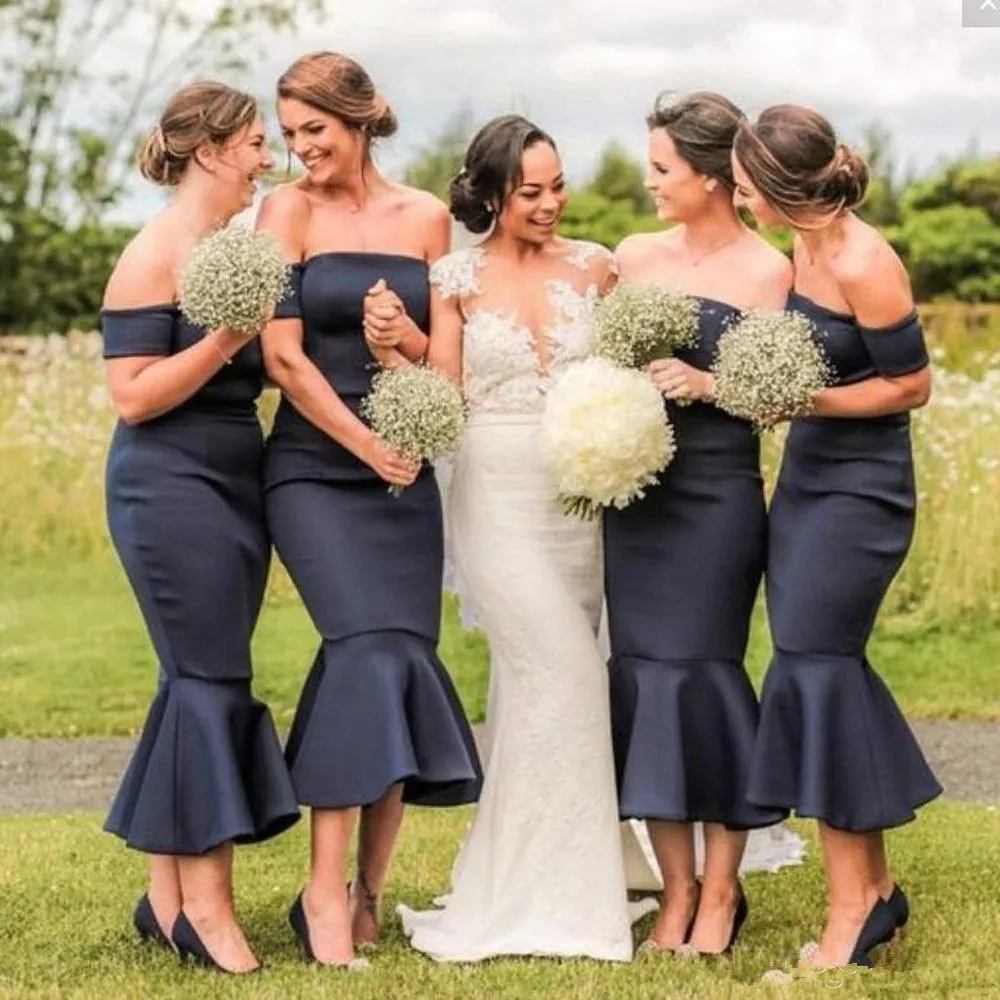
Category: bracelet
<point>222,354</point>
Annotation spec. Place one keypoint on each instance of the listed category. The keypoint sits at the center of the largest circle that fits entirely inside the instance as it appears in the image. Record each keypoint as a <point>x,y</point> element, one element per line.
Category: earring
<point>710,185</point>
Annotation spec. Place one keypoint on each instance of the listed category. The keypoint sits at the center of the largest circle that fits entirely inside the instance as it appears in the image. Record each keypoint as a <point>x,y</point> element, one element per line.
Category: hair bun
<point>847,176</point>
<point>152,158</point>
<point>384,121</point>
<point>467,205</point>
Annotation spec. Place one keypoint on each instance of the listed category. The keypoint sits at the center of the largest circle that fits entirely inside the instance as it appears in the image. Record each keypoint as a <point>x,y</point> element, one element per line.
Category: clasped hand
<point>385,319</point>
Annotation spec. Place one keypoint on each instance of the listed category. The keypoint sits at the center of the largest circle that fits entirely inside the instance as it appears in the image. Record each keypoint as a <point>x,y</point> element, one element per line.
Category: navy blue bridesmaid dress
<point>682,570</point>
<point>832,743</point>
<point>185,508</point>
<point>378,707</point>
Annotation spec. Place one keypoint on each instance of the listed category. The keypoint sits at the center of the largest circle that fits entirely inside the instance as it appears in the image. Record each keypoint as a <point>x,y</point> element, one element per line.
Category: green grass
<point>67,891</point>
<point>74,658</point>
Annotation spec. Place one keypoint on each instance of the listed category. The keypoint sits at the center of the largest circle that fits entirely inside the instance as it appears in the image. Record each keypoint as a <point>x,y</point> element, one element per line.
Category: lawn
<point>74,658</point>
<point>67,891</point>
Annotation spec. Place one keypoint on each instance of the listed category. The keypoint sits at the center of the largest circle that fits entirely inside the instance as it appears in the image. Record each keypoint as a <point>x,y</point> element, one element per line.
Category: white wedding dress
<point>546,864</point>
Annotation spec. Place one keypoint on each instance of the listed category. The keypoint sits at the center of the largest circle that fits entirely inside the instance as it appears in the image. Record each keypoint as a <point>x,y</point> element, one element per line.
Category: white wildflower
<point>638,323</point>
<point>233,278</point>
<point>416,410</point>
<point>769,367</point>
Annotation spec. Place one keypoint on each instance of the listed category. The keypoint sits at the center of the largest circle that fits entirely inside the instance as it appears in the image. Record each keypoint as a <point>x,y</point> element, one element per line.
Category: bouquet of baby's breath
<point>605,435</point>
<point>418,411</point>
<point>636,324</point>
<point>769,367</point>
<point>233,278</point>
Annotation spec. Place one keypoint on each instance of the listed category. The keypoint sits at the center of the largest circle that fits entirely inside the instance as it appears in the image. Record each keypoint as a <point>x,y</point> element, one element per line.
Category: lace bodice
<point>503,371</point>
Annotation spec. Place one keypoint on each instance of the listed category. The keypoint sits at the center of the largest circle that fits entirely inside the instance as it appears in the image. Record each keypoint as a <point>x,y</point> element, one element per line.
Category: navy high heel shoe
<point>739,919</point>
<point>189,945</point>
<point>900,906</point>
<point>300,927</point>
<point>148,927</point>
<point>879,928</point>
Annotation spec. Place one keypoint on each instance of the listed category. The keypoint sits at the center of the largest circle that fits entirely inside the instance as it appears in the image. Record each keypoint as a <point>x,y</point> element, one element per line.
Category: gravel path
<point>74,775</point>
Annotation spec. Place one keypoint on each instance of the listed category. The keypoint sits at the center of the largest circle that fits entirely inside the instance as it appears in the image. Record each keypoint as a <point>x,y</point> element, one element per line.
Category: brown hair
<point>338,85</point>
<point>206,111</point>
<point>702,126</point>
<point>795,160</point>
<point>492,169</point>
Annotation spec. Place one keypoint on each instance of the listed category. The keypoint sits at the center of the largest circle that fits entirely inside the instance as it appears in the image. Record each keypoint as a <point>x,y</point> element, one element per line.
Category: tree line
<point>60,183</point>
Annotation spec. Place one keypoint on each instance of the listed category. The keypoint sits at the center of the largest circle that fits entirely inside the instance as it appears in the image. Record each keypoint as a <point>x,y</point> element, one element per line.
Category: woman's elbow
<point>281,365</point>
<point>131,411</point>
<point>918,390</point>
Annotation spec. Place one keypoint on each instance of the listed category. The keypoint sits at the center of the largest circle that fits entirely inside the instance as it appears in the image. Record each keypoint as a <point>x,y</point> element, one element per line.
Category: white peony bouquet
<point>417,410</point>
<point>605,435</point>
<point>233,278</point>
<point>769,367</point>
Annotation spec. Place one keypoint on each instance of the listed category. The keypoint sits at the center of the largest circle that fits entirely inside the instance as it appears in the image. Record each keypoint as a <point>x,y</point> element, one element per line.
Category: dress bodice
<point>327,294</point>
<point>709,440</point>
<point>501,368</point>
<point>162,330</point>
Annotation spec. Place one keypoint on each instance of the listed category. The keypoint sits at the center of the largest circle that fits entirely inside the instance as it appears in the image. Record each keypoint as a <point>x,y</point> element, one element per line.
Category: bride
<point>543,870</point>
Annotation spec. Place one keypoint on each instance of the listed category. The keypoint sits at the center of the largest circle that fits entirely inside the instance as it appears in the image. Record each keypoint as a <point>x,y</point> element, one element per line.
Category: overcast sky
<point>588,70</point>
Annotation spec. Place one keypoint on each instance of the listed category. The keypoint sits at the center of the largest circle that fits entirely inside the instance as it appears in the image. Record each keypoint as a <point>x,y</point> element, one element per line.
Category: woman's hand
<point>394,468</point>
<point>385,319</point>
<point>682,382</point>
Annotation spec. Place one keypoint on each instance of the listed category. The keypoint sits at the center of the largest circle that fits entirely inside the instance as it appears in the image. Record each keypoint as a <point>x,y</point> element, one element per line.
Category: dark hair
<point>340,86</point>
<point>795,161</point>
<point>702,126</point>
<point>492,169</point>
<point>205,111</point>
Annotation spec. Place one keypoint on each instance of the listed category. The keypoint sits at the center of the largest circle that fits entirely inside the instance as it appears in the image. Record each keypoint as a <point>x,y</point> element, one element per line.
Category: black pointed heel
<point>878,929</point>
<point>190,945</point>
<point>740,915</point>
<point>739,919</point>
<point>300,927</point>
<point>148,927</point>
<point>900,906</point>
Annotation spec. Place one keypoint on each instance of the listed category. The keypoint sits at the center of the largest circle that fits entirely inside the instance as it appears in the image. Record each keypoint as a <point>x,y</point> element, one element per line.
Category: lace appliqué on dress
<point>458,273</point>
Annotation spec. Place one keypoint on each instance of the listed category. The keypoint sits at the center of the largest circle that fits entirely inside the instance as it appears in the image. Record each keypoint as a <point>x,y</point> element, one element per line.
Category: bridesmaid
<point>379,722</point>
<point>186,514</point>
<point>832,743</point>
<point>683,565</point>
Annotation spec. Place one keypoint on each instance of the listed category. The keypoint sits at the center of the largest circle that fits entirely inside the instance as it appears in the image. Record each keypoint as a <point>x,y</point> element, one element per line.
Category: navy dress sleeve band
<point>898,349</point>
<point>141,332</point>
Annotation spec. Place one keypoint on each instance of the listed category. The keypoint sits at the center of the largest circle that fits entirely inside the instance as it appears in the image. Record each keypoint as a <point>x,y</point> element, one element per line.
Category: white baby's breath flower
<point>605,434</point>
<point>233,278</point>
<point>418,411</point>
<point>638,323</point>
<point>769,367</point>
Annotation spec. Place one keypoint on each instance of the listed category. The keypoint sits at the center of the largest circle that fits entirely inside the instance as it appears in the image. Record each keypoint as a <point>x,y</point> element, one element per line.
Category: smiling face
<point>532,210</point>
<point>678,190</point>
<point>747,196</point>
<point>330,151</point>
<point>239,162</point>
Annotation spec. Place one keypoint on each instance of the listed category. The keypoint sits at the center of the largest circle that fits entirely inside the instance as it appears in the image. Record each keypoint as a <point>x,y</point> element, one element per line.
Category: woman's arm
<point>387,324</point>
<point>878,293</point>
<point>285,214</point>
<point>144,379</point>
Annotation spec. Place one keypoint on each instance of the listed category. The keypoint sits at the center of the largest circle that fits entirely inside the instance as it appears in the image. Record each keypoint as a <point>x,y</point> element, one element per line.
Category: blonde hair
<point>206,111</point>
<point>794,159</point>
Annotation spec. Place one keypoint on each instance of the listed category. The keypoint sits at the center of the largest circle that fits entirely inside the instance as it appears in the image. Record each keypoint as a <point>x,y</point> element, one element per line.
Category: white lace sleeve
<point>458,273</point>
